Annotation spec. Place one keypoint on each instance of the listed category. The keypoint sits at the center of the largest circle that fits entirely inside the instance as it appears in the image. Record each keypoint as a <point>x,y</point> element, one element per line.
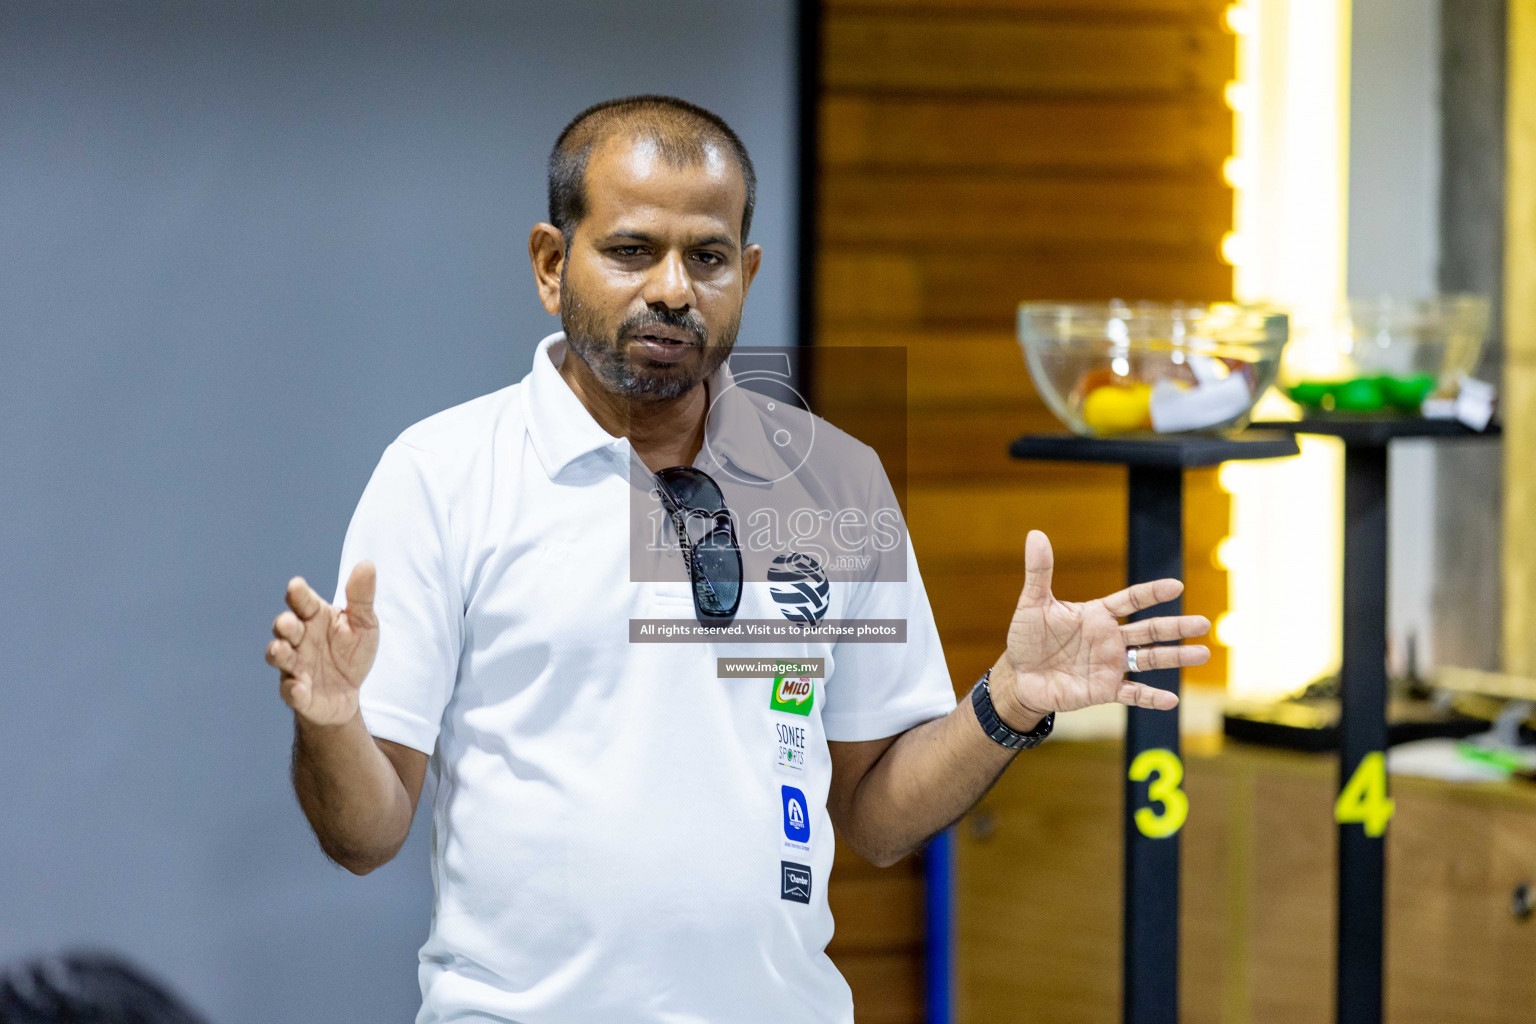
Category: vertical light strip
<point>1290,174</point>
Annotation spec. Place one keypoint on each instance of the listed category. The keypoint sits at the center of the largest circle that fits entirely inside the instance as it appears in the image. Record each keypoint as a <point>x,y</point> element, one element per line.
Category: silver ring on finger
<point>1130,660</point>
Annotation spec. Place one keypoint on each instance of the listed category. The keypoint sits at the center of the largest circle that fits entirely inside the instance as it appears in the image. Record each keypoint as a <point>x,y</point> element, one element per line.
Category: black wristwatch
<point>981,700</point>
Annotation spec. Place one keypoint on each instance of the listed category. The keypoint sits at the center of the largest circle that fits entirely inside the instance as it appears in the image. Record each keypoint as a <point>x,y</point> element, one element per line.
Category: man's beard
<point>608,357</point>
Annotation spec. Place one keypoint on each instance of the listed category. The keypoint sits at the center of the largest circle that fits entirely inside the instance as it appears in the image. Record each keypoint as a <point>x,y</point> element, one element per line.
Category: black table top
<point>1375,430</point>
<point>1167,451</point>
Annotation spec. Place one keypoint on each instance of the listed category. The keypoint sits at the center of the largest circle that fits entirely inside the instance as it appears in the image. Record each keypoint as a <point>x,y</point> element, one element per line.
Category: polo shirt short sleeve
<point>881,689</point>
<point>401,525</point>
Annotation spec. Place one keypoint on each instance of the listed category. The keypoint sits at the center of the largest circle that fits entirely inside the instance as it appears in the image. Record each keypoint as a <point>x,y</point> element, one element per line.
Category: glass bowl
<point>1111,368</point>
<point>1389,355</point>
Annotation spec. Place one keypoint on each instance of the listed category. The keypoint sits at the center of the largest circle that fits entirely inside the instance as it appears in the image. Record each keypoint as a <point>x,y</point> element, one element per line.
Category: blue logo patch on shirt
<point>797,816</point>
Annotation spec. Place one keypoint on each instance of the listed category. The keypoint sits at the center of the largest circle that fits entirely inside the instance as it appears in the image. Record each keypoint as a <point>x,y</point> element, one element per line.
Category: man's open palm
<point>1067,655</point>
<point>325,652</point>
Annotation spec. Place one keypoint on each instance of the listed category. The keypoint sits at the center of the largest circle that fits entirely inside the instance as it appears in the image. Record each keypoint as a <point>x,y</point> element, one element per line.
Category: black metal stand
<point>1363,685</point>
<point>1154,805</point>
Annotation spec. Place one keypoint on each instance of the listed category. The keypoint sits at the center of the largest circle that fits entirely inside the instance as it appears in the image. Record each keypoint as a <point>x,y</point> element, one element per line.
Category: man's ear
<point>751,260</point>
<point>546,249</point>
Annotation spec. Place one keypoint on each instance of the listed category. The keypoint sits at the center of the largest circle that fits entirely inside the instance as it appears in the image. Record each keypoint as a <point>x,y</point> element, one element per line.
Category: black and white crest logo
<point>799,587</point>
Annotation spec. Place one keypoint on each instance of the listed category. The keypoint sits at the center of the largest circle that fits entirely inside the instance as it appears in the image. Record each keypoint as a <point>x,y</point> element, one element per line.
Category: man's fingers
<point>295,691</point>
<point>281,655</point>
<point>1143,595</point>
<point>1161,630</point>
<point>360,587</point>
<point>301,597</point>
<point>1039,563</point>
<point>1175,656</point>
<point>1139,695</point>
<point>288,627</point>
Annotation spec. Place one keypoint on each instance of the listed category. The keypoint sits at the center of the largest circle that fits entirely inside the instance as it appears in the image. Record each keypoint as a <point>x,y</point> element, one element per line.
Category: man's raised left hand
<point>1065,655</point>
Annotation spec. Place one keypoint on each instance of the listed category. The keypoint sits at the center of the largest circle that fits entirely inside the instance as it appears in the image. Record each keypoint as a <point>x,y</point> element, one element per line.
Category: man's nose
<point>669,284</point>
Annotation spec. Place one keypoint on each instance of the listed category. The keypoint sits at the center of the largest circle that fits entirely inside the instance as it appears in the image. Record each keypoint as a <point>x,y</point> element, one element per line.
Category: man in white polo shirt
<point>540,586</point>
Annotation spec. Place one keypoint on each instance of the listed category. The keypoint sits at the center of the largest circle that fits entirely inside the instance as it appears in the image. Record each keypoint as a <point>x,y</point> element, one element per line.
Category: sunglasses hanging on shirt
<point>707,537</point>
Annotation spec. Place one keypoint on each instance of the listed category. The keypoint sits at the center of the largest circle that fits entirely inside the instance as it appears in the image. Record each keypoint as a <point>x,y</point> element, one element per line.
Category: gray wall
<point>1426,214</point>
<point>241,248</point>
<point>1394,147</point>
<point>1469,533</point>
<point>1394,249</point>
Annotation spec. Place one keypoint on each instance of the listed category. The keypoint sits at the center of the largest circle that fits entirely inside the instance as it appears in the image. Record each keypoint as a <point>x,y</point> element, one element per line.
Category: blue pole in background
<point>939,938</point>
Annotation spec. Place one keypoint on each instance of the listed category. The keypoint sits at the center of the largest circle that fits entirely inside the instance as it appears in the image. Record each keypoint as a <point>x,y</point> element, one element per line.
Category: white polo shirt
<point>619,835</point>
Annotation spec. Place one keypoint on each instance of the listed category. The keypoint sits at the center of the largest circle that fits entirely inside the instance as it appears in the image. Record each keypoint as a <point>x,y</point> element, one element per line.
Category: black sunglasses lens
<point>692,489</point>
<point>717,575</point>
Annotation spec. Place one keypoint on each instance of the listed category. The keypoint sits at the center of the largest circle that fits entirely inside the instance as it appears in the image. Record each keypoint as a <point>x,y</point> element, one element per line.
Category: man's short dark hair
<point>681,130</point>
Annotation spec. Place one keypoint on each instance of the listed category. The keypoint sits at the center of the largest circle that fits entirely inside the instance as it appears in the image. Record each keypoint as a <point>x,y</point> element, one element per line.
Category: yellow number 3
<point>1364,799</point>
<point>1164,790</point>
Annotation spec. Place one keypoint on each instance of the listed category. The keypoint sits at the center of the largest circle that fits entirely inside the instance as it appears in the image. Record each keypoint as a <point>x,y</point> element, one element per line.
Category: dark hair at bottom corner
<point>87,987</point>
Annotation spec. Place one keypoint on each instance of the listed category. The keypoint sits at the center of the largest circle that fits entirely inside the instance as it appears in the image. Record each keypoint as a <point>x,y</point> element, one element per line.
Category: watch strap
<point>994,727</point>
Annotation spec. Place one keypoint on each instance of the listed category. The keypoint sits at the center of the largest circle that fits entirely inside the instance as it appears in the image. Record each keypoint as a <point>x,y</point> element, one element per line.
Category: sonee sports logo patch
<point>791,744</point>
<point>794,882</point>
<point>793,695</point>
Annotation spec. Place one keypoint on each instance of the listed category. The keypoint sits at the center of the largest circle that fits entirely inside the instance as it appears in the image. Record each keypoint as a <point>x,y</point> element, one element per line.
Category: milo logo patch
<point>793,695</point>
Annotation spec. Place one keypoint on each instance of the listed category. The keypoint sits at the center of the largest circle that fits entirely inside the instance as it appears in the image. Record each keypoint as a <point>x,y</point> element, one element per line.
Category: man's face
<point>654,279</point>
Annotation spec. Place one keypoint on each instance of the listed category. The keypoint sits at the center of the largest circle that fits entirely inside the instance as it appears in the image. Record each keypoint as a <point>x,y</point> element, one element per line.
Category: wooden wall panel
<point>1204,10</point>
<point>1517,400</point>
<point>949,53</point>
<point>1073,135</point>
<point>975,154</point>
<point>878,938</point>
<point>887,987</point>
<point>1257,886</point>
<point>984,519</point>
<point>1080,213</point>
<point>1455,855</point>
<point>959,288</point>
<point>1057,817</point>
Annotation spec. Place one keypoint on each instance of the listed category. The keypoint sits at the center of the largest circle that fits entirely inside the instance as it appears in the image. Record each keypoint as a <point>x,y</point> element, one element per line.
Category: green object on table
<point>1311,393</point>
<point>1407,393</point>
<point>1503,760</point>
<point>1363,394</point>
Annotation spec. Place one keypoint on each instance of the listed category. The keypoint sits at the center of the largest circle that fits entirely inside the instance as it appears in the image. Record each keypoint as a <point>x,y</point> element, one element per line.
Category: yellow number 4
<point>1163,790</point>
<point>1364,799</point>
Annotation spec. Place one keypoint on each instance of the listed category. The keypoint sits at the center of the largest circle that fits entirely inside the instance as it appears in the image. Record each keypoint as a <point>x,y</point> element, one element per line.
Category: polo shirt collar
<point>738,431</point>
<point>563,430</point>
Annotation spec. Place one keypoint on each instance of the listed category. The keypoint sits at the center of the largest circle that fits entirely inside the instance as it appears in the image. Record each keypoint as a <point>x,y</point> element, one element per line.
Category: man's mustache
<point>687,322</point>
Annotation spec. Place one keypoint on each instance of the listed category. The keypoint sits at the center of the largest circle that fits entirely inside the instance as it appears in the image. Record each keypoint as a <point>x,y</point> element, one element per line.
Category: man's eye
<point>709,259</point>
<point>628,250</point>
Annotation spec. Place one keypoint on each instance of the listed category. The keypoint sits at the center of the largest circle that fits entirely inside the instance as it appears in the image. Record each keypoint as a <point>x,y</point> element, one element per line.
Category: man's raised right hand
<point>324,652</point>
